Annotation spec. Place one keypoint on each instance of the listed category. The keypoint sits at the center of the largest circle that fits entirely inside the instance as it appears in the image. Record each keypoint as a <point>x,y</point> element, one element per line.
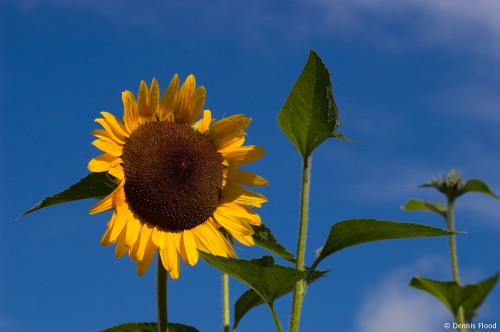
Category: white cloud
<point>393,306</point>
<point>408,23</point>
<point>418,21</point>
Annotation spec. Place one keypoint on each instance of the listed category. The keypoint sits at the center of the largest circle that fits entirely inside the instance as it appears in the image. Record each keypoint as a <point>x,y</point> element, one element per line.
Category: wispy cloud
<point>418,22</point>
<point>405,23</point>
<point>392,306</point>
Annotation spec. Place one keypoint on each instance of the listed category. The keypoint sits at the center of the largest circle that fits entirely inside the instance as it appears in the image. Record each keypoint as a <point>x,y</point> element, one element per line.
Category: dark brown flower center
<point>173,175</point>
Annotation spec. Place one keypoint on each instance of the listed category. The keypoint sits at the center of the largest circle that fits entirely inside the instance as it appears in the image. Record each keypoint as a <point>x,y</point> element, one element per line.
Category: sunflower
<point>177,179</point>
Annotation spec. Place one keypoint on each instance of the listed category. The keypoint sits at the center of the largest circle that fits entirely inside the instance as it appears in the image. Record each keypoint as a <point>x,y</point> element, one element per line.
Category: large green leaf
<point>472,304</point>
<point>449,292</point>
<point>94,185</point>
<point>250,299</point>
<point>149,327</point>
<point>352,232</point>
<point>267,279</point>
<point>418,205</point>
<point>265,239</point>
<point>310,115</point>
<point>479,186</point>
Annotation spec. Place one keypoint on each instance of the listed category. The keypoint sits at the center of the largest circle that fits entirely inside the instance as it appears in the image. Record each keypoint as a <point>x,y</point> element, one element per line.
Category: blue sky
<point>417,83</point>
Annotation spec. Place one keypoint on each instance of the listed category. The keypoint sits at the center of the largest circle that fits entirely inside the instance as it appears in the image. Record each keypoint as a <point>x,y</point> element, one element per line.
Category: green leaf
<point>310,115</point>
<point>418,205</point>
<point>479,186</point>
<point>352,232</point>
<point>149,327</point>
<point>94,185</point>
<point>265,239</point>
<point>449,292</point>
<point>266,278</point>
<point>250,299</point>
<point>472,304</point>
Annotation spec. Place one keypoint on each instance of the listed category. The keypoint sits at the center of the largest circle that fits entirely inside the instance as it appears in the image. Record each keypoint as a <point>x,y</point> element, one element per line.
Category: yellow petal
<point>140,245</point>
<point>189,102</point>
<point>131,116</point>
<point>209,239</point>
<point>108,146</point>
<point>149,254</point>
<point>234,143</point>
<point>244,177</point>
<point>115,124</point>
<point>158,238</point>
<point>196,105</point>
<point>114,127</point>
<point>105,204</point>
<point>121,249</point>
<point>244,239</point>
<point>237,194</point>
<point>233,209</point>
<point>101,163</point>
<point>100,133</point>
<point>120,216</point>
<point>226,129</point>
<point>105,239</point>
<point>117,172</point>
<point>119,197</point>
<point>234,225</point>
<point>153,99</point>
<point>133,228</point>
<point>205,121</point>
<point>170,254</point>
<point>242,155</point>
<point>254,217</point>
<point>188,249</point>
<point>142,103</point>
<point>167,100</point>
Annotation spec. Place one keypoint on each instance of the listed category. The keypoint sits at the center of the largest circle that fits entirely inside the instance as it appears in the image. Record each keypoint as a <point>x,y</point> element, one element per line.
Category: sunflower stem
<point>450,222</point>
<point>299,290</point>
<point>161,297</point>
<point>225,302</point>
<point>279,328</point>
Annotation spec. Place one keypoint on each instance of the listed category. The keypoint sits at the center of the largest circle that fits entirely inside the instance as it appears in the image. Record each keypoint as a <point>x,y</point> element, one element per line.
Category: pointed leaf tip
<point>479,186</point>
<point>418,205</point>
<point>352,232</point>
<point>310,115</point>
<point>94,185</point>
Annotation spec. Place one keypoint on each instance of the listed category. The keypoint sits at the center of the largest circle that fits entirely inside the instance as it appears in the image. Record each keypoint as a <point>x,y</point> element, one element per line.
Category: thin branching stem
<point>277,322</point>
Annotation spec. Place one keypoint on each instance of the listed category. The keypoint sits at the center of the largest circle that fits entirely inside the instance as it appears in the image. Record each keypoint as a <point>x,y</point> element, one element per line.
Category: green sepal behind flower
<point>453,186</point>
